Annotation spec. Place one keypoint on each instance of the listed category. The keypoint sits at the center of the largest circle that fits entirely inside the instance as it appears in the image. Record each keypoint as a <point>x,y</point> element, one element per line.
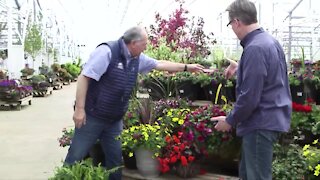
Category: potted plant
<point>186,86</point>
<point>26,71</point>
<point>145,141</point>
<point>179,155</point>
<point>158,84</point>
<point>297,87</point>
<point>83,170</point>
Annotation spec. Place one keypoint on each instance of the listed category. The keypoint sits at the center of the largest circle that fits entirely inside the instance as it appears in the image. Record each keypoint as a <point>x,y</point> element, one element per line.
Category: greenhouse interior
<point>149,89</point>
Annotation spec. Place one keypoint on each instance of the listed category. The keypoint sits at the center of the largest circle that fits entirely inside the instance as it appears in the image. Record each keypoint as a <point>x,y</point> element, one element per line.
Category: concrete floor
<point>29,149</point>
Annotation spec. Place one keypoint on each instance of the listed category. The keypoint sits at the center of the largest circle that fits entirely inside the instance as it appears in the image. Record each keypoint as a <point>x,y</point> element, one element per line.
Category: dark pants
<point>257,154</point>
<point>86,136</point>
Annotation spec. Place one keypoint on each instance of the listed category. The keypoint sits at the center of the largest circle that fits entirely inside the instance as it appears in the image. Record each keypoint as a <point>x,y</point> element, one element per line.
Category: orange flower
<point>168,139</point>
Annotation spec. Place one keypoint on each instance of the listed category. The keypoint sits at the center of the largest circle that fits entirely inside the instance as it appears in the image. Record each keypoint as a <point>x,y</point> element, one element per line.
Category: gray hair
<point>133,34</point>
<point>244,10</point>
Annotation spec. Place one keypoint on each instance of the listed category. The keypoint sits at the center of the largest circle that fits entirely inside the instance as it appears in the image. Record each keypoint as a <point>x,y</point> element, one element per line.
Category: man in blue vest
<point>263,106</point>
<point>103,91</point>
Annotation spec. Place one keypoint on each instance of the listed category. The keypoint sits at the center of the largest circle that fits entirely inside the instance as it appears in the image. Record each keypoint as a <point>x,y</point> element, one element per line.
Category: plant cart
<point>43,92</point>
<point>9,104</point>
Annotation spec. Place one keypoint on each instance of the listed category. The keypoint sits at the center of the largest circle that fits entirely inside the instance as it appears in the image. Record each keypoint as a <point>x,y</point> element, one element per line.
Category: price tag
<point>299,94</point>
<point>181,91</point>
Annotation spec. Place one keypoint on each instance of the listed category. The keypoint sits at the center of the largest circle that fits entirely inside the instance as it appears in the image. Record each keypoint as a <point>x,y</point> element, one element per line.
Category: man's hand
<point>222,124</point>
<point>194,67</point>
<point>79,117</point>
<point>231,69</point>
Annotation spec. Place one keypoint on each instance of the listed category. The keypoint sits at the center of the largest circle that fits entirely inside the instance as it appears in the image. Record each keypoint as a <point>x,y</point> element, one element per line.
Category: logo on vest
<point>120,65</point>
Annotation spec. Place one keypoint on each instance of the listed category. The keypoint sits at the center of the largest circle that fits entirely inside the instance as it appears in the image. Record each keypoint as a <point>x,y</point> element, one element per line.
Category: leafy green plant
<point>33,41</point>
<point>288,163</point>
<point>180,77</point>
<point>72,69</point>
<point>27,71</point>
<point>203,79</point>
<point>159,84</point>
<point>312,155</point>
<point>83,170</point>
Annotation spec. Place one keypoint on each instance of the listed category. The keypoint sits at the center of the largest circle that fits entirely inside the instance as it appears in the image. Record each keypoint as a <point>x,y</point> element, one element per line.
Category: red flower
<point>180,134</point>
<point>184,161</point>
<point>310,100</point>
<point>182,147</point>
<point>173,159</point>
<point>176,148</point>
<point>176,140</point>
<point>190,158</point>
<point>307,108</point>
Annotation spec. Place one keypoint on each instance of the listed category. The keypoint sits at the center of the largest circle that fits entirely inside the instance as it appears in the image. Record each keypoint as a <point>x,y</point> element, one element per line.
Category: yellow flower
<point>158,146</point>
<point>169,114</point>
<point>306,153</point>
<point>130,154</point>
<point>306,147</point>
<point>126,131</point>
<point>175,119</point>
<point>125,143</point>
<point>132,128</point>
<point>181,121</point>
<point>310,168</point>
<point>315,141</point>
<point>156,154</point>
<point>317,171</point>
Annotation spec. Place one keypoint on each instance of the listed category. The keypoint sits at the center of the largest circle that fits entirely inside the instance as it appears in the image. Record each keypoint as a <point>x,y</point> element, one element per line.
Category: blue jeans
<point>86,136</point>
<point>257,154</point>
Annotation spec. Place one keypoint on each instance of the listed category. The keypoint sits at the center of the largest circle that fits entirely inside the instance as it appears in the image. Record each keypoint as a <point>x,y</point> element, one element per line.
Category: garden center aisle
<point>29,149</point>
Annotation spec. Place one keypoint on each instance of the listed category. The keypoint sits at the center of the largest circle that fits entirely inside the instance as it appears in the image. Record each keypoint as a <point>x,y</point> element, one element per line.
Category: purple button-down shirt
<point>263,93</point>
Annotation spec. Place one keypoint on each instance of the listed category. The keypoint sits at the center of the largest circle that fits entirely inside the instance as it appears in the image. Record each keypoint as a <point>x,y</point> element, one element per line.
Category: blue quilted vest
<point>107,99</point>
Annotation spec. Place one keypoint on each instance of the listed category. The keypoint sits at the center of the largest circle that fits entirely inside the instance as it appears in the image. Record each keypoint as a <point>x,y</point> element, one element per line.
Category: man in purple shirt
<point>263,106</point>
<point>100,75</point>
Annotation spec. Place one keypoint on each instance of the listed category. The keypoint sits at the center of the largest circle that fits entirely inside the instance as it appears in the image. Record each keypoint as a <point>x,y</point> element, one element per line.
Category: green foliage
<point>288,163</point>
<point>162,52</point>
<point>312,155</point>
<point>180,77</point>
<point>55,54</point>
<point>33,41</point>
<point>27,71</point>
<point>82,170</point>
<point>74,70</point>
<point>294,79</point>
<point>38,78</point>
<point>203,79</point>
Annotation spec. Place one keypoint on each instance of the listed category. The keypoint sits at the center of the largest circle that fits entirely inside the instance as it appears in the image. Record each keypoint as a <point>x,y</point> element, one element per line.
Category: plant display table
<point>10,104</point>
<point>43,93</point>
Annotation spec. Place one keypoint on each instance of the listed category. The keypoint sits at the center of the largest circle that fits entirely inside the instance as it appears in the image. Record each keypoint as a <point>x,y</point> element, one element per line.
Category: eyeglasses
<point>231,22</point>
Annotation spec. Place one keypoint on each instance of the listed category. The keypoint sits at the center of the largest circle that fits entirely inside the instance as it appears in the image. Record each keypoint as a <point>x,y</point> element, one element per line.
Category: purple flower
<point>189,136</point>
